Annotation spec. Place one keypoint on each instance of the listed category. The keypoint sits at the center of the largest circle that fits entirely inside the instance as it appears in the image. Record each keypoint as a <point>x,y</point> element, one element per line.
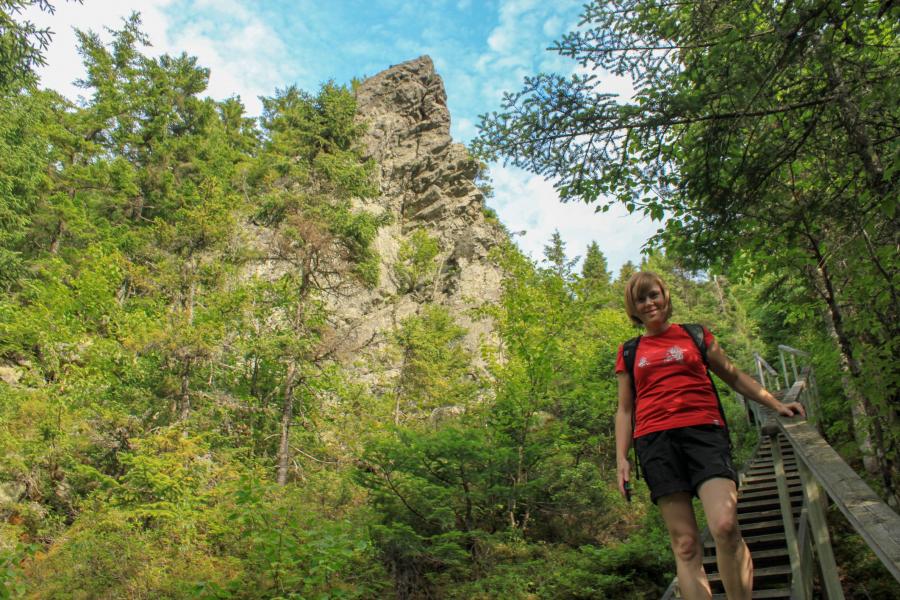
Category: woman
<point>680,437</point>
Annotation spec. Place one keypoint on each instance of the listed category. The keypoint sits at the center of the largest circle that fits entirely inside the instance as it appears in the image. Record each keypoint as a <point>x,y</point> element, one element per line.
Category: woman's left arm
<point>746,385</point>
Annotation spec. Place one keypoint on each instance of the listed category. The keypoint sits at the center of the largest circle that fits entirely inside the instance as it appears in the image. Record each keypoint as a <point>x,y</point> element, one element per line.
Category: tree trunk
<point>720,295</point>
<point>184,394</point>
<point>850,370</point>
<point>187,300</point>
<point>57,237</point>
<point>287,417</point>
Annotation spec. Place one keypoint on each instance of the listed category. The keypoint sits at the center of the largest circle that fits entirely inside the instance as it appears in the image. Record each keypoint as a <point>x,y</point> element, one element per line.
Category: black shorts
<point>679,460</point>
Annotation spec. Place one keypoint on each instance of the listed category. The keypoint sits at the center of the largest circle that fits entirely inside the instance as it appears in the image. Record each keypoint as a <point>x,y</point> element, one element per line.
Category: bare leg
<point>719,497</point>
<point>678,514</point>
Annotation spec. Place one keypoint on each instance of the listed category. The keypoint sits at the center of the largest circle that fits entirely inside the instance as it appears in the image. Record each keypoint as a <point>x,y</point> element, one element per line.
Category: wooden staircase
<point>800,563</point>
<point>759,515</point>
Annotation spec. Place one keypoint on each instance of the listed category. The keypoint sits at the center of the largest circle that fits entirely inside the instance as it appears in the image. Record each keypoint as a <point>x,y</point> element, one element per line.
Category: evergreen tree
<point>595,281</point>
<point>555,256</point>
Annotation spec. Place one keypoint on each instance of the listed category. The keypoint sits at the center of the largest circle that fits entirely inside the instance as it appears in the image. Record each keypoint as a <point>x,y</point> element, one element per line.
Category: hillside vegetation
<point>176,424</point>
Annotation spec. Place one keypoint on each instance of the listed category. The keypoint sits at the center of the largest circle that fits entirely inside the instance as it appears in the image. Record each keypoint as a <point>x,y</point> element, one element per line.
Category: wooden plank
<point>778,572</point>
<point>767,594</point>
<point>757,556</point>
<point>818,526</point>
<point>876,523</point>
<point>790,531</point>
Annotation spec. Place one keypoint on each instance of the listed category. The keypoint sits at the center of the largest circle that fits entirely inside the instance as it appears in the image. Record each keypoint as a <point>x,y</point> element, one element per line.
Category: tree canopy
<point>764,135</point>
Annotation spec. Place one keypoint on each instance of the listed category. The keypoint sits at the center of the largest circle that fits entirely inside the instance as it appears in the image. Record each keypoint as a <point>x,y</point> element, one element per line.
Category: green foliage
<point>555,257</point>
<point>291,554</point>
<point>595,285</point>
<point>435,368</point>
<point>513,495</point>
<point>129,323</point>
<point>636,568</point>
<point>308,171</point>
<point>416,266</point>
<point>11,583</point>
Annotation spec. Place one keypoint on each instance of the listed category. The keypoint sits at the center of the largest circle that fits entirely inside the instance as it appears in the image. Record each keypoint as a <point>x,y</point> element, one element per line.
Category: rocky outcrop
<point>427,182</point>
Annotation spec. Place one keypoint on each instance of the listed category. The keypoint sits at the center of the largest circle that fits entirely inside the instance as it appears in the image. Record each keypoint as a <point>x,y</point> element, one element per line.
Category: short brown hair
<point>639,284</point>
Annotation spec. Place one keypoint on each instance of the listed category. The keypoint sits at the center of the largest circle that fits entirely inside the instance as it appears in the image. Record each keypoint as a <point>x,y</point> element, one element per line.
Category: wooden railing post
<point>798,591</point>
<point>759,370</point>
<point>806,552</point>
<point>819,526</point>
<point>814,401</point>
<point>787,382</point>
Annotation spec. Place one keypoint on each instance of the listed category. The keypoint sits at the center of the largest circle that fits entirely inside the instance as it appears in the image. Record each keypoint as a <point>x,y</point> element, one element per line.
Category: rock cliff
<point>427,184</point>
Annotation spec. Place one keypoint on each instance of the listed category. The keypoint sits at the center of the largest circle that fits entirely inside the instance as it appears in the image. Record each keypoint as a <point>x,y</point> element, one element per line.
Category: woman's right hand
<point>623,472</point>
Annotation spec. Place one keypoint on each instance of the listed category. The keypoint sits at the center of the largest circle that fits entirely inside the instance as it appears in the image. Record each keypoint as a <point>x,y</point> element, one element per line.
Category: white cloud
<point>516,45</point>
<point>63,61</point>
<point>243,53</point>
<point>552,27</point>
<point>463,129</point>
<point>608,83</point>
<point>526,202</point>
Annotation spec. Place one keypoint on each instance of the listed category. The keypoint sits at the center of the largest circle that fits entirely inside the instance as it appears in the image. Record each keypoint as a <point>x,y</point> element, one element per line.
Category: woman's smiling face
<point>651,306</point>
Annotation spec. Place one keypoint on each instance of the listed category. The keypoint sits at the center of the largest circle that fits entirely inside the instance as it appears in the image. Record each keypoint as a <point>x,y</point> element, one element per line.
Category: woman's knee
<point>686,545</point>
<point>724,529</point>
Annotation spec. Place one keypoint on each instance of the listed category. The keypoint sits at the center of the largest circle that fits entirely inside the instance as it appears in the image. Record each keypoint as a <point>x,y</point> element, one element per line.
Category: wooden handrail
<point>792,350</point>
<point>762,368</point>
<point>875,521</point>
<point>761,361</point>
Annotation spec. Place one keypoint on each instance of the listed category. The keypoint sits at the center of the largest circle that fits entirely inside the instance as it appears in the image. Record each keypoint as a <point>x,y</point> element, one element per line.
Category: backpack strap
<point>629,350</point>
<point>695,330</point>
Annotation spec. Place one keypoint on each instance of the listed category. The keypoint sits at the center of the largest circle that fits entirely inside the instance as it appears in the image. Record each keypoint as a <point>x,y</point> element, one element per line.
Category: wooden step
<point>745,506</point>
<point>790,462</point>
<point>764,515</point>
<point>760,493</point>
<point>764,468</point>
<point>773,593</point>
<point>772,526</point>
<point>761,558</point>
<point>766,575</point>
<point>756,541</point>
<point>750,479</point>
<point>766,451</point>
<point>765,488</point>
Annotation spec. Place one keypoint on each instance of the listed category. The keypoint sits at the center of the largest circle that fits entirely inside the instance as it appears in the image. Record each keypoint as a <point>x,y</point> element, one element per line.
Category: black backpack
<point>629,351</point>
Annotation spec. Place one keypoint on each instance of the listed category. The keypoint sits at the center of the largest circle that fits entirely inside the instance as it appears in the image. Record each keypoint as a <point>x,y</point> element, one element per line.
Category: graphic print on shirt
<point>674,354</point>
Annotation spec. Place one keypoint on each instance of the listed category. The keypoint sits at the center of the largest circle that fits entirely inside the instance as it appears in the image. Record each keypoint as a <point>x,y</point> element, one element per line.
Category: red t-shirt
<point>673,389</point>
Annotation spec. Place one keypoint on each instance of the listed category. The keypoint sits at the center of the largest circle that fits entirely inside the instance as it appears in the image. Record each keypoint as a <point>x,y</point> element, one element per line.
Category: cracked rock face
<point>427,183</point>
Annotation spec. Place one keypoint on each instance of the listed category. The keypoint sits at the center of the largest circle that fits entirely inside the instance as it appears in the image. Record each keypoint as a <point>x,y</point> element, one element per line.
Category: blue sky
<point>480,48</point>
